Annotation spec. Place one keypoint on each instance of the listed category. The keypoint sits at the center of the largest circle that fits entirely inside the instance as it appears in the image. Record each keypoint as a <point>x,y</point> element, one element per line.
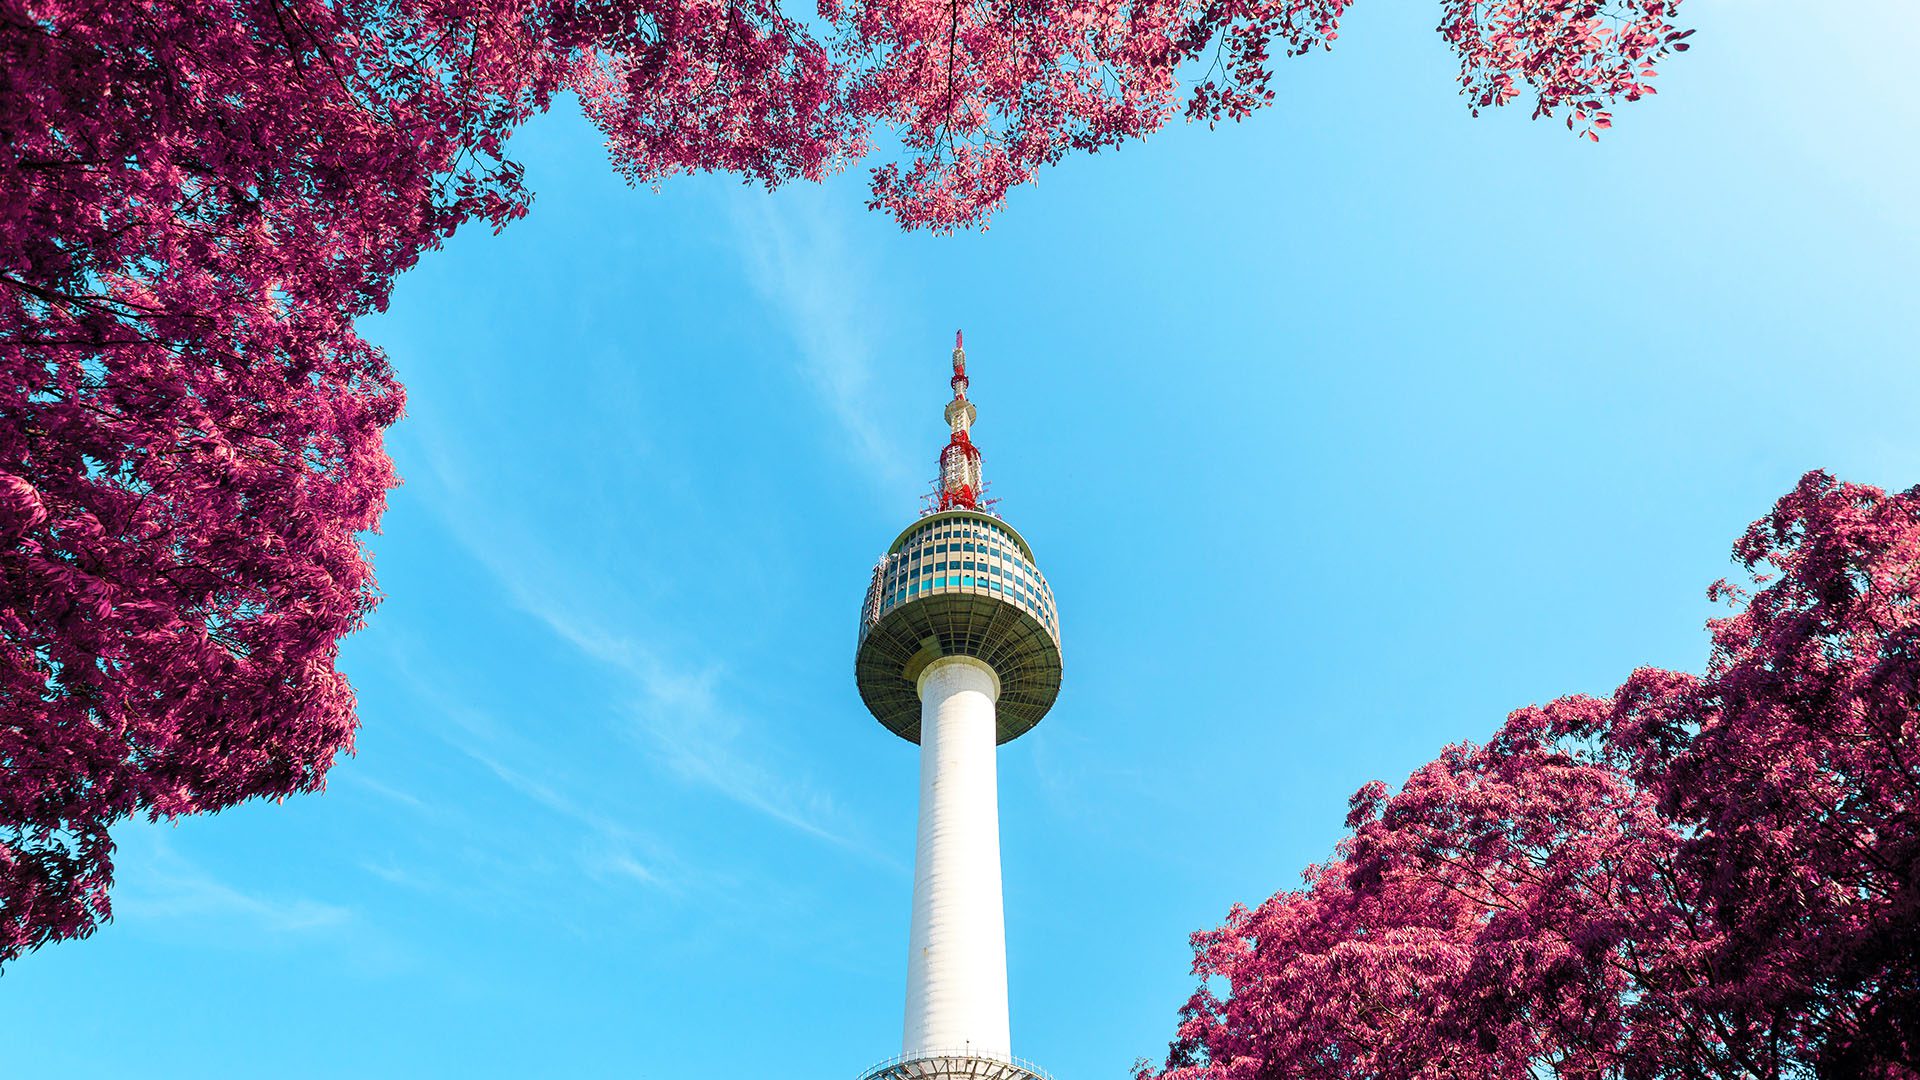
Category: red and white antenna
<point>960,486</point>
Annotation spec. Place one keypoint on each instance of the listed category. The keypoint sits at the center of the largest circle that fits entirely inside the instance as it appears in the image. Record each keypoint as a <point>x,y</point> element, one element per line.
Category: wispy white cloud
<point>358,778</point>
<point>702,745</point>
<point>551,797</point>
<point>158,884</point>
<point>676,711</point>
<point>623,864</point>
<point>797,256</point>
<point>487,743</point>
<point>672,707</point>
<point>395,875</point>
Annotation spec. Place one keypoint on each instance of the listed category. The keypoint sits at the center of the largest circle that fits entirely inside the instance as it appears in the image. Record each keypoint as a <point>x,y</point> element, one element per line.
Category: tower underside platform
<point>902,642</point>
<point>955,1065</point>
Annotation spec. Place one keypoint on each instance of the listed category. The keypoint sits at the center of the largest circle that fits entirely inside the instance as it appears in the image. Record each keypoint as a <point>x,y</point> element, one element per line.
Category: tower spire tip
<point>960,484</point>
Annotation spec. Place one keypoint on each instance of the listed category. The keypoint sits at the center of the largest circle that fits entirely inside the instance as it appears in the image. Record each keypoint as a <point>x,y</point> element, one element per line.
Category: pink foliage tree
<point>195,202</point>
<point>1705,876</point>
<point>198,198</point>
<point>980,95</point>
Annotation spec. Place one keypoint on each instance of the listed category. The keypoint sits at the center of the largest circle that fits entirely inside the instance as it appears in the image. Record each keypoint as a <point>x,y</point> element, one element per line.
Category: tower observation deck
<point>959,652</point>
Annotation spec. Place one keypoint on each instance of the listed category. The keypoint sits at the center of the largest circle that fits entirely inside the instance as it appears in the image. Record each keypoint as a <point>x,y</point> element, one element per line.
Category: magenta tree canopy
<point>1705,876</point>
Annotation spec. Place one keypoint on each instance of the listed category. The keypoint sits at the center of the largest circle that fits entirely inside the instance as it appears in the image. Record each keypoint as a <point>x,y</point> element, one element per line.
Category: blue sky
<point>1339,434</point>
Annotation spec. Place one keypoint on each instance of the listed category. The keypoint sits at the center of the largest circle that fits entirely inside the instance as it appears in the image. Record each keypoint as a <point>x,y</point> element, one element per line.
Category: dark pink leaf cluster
<point>979,95</point>
<point>196,199</point>
<point>1705,876</point>
<point>1581,55</point>
<point>685,86</point>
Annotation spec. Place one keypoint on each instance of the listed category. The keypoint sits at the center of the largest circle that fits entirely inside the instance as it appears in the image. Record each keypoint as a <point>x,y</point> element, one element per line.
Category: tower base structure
<point>955,1065</point>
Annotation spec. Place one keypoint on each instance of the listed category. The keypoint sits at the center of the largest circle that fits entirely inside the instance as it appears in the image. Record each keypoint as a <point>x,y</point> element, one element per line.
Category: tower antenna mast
<point>961,485</point>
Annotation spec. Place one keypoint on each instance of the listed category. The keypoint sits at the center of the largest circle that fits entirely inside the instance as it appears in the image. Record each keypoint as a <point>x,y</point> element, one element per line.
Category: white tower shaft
<point>957,950</point>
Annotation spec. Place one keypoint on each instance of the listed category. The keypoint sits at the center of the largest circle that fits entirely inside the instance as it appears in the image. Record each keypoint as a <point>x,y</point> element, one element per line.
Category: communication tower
<point>959,652</point>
